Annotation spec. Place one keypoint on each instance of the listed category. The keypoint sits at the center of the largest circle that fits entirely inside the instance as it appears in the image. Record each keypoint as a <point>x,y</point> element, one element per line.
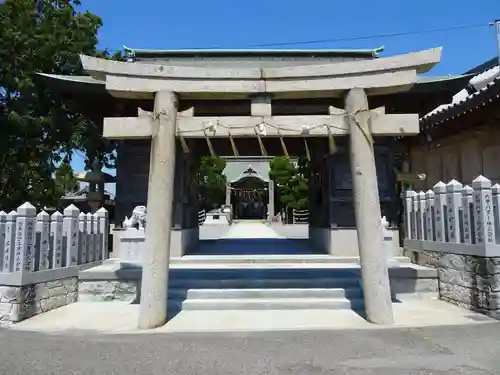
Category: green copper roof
<point>131,52</point>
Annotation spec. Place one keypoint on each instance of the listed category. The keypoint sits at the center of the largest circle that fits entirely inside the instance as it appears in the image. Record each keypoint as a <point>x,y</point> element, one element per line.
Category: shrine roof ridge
<point>135,52</point>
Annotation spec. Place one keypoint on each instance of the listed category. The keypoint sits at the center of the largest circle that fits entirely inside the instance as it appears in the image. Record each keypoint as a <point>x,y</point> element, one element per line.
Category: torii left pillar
<point>154,289</point>
<point>374,272</point>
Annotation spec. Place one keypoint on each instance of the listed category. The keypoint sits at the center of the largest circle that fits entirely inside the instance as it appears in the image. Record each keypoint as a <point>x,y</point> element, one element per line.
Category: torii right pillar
<point>374,271</point>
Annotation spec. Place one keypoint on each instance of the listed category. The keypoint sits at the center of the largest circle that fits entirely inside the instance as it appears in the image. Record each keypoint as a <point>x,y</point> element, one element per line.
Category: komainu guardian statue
<point>138,218</point>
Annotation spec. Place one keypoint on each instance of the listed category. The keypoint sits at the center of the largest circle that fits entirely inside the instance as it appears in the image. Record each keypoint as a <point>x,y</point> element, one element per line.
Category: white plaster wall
<point>183,241</point>
<point>292,231</point>
<point>213,232</point>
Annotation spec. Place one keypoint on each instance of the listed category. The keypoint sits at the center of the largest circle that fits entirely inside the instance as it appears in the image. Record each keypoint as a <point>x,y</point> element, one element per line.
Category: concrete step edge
<point>270,293</point>
<point>306,258</point>
<point>270,304</point>
<point>299,283</point>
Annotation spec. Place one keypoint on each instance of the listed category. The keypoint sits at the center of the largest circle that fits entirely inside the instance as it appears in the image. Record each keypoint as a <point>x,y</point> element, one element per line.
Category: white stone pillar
<point>374,272</point>
<point>270,209</point>
<point>154,290</point>
<point>228,194</point>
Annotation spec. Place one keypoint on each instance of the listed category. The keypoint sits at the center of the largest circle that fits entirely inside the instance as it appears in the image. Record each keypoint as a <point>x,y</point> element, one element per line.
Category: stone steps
<point>300,303</point>
<point>265,293</point>
<point>292,259</point>
<point>265,299</point>
<point>264,283</point>
<point>254,286</point>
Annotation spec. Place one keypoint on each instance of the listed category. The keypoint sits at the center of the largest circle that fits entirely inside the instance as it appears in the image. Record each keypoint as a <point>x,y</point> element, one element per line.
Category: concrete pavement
<point>251,229</point>
<point>451,350</point>
<point>121,317</point>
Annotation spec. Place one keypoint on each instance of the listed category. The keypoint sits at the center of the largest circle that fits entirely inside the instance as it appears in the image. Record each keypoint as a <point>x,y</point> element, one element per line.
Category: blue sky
<point>164,24</point>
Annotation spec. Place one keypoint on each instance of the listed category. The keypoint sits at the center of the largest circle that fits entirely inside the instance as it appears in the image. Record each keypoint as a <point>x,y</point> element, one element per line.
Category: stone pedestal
<point>132,247</point>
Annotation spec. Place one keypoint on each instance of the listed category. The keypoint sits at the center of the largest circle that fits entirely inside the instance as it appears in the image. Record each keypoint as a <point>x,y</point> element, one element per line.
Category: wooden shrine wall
<point>461,156</point>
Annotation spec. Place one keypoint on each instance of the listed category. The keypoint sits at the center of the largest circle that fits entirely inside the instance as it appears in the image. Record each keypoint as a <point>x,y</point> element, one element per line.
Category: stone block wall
<point>22,302</point>
<point>109,290</point>
<point>466,280</point>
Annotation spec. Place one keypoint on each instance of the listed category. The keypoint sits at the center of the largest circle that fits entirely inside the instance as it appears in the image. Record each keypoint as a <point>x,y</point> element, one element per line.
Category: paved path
<point>122,317</point>
<point>251,230</point>
<point>471,350</point>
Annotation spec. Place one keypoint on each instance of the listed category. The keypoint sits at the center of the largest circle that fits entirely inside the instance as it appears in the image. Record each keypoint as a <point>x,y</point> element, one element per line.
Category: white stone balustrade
<point>453,218</point>
<point>300,216</point>
<point>32,243</point>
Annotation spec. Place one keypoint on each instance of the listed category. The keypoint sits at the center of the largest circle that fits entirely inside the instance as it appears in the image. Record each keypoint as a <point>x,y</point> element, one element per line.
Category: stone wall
<point>466,280</point>
<point>109,290</point>
<point>22,302</point>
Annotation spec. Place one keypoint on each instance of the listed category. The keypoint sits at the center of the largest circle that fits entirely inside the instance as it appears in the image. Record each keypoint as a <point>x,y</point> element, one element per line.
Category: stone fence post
<point>496,209</point>
<point>103,217</point>
<point>483,211</point>
<point>24,258</point>
<point>440,211</point>
<point>90,238</point>
<point>10,238</point>
<point>3,220</point>
<point>429,215</point>
<point>410,219</point>
<point>467,218</point>
<point>43,240</point>
<point>56,233</point>
<point>97,239</point>
<point>70,228</point>
<point>82,238</point>
<point>454,204</point>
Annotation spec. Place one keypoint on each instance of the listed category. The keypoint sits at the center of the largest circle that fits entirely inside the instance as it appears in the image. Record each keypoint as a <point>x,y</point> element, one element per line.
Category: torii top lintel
<point>377,76</point>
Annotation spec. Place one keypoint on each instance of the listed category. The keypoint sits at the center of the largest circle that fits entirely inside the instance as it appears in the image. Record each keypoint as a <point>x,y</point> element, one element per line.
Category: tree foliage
<point>37,129</point>
<point>212,182</point>
<point>291,180</point>
<point>65,180</point>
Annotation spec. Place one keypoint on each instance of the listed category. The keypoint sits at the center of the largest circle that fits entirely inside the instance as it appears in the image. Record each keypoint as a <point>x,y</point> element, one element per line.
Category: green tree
<point>37,129</point>
<point>291,181</point>
<point>212,182</point>
<point>65,179</point>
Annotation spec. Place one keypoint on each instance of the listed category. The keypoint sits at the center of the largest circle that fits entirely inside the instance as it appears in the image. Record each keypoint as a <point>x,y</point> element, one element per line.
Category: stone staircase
<point>264,289</point>
<point>256,282</point>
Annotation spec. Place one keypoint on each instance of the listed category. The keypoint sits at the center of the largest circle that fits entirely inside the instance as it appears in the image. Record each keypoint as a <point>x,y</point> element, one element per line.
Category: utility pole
<point>496,23</point>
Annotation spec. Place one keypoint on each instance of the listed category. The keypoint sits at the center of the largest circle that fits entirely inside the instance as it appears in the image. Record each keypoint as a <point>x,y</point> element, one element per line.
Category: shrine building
<point>342,109</point>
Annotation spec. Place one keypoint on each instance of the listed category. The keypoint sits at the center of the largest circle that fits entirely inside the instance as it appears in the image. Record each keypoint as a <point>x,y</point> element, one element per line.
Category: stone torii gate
<point>354,81</point>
